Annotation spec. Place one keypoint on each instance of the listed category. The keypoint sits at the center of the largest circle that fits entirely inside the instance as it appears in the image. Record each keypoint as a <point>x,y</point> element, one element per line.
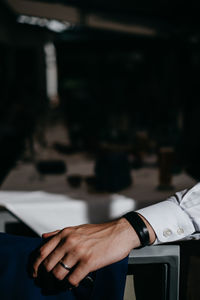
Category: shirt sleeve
<point>176,218</point>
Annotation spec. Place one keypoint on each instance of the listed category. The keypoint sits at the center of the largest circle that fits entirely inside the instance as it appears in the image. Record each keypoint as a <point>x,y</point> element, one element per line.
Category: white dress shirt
<point>176,218</point>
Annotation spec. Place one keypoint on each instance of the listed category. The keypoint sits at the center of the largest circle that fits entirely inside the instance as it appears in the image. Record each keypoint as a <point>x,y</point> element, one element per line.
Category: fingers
<point>44,251</point>
<point>65,245</point>
<point>69,260</point>
<point>74,247</point>
<point>69,251</point>
<point>53,250</point>
<point>85,248</point>
<point>54,257</point>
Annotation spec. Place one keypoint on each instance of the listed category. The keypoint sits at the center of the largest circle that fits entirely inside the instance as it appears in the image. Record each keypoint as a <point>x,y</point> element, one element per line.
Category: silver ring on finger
<point>65,266</point>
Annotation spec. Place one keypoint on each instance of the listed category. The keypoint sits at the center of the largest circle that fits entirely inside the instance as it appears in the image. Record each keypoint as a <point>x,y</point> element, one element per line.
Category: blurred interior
<point>99,98</point>
<point>112,74</point>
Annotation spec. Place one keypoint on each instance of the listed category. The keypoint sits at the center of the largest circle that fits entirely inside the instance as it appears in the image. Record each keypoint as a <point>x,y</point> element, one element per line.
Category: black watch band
<point>139,226</point>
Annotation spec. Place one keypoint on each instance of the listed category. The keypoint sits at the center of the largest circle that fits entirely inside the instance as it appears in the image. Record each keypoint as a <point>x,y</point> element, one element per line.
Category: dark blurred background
<point>127,76</point>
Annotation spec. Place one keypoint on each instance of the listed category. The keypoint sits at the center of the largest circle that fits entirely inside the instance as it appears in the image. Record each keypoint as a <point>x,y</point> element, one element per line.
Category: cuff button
<point>180,231</point>
<point>167,232</point>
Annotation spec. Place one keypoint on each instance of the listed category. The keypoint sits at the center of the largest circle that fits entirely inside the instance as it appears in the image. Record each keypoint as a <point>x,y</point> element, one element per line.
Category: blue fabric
<point>109,282</point>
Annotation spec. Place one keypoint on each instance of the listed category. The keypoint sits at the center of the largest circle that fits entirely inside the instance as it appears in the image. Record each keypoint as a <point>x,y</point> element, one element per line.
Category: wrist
<point>142,229</point>
<point>130,233</point>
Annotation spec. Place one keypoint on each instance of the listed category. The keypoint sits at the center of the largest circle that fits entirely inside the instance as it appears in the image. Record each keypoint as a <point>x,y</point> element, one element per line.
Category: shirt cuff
<point>168,220</point>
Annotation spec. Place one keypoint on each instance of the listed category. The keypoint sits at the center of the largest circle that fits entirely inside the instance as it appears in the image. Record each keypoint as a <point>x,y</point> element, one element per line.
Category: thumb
<point>49,234</point>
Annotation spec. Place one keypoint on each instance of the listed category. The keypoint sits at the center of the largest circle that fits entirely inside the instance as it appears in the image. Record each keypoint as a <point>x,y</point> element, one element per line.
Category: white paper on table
<point>44,212</point>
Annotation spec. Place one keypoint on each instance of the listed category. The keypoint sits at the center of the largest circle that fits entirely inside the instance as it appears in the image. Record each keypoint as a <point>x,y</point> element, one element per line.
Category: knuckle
<point>71,240</point>
<point>79,250</point>
<point>42,253</point>
<point>86,260</point>
<point>57,274</point>
<point>87,257</point>
<point>47,265</point>
<point>64,231</point>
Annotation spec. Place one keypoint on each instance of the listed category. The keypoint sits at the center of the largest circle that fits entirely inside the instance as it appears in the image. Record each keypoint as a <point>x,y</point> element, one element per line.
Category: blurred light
<point>102,22</point>
<point>53,25</point>
<point>51,72</point>
<point>57,26</point>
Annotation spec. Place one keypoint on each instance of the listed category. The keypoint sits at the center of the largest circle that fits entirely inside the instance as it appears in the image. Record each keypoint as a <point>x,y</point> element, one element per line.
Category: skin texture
<point>87,248</point>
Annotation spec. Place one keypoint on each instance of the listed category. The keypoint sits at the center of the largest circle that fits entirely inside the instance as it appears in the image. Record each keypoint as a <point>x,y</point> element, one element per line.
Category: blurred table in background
<point>144,189</point>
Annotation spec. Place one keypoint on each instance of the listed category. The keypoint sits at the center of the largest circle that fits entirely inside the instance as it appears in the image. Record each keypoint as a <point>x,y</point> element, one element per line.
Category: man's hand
<point>85,248</point>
